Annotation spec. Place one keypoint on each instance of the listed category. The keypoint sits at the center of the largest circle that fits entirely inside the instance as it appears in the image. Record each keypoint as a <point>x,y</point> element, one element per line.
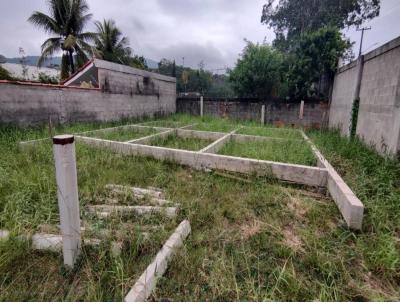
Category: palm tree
<point>110,44</point>
<point>66,21</point>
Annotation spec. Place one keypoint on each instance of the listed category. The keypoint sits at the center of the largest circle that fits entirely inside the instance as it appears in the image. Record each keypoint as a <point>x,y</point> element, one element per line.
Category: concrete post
<point>301,113</point>
<point>201,106</point>
<point>67,193</point>
<point>262,114</point>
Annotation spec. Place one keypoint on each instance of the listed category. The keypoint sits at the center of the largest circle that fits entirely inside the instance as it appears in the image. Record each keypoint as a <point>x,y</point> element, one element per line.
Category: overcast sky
<point>208,30</point>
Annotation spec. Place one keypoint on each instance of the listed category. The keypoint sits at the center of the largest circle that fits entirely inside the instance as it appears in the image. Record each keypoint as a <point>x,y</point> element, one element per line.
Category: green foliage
<point>354,117</point>
<point>291,18</point>
<point>5,75</point>
<point>47,79</point>
<point>258,71</point>
<point>66,22</point>
<point>220,87</point>
<point>316,55</point>
<point>188,80</point>
<point>110,44</point>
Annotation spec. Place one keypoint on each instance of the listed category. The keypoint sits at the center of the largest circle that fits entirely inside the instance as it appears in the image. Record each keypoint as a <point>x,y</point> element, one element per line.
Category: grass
<point>253,240</point>
<point>123,134</point>
<point>175,142</point>
<point>294,152</point>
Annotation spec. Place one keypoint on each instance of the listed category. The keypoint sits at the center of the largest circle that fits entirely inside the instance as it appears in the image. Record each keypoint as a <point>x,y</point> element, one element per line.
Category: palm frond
<point>49,47</point>
<point>46,22</point>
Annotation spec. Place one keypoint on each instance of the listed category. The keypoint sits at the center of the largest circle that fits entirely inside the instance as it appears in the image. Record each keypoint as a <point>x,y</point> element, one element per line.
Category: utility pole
<point>362,37</point>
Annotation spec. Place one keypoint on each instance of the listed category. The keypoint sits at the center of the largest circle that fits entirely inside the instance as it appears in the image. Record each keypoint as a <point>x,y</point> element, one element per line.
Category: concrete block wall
<point>379,112</point>
<point>32,104</point>
<point>276,112</point>
<point>344,87</point>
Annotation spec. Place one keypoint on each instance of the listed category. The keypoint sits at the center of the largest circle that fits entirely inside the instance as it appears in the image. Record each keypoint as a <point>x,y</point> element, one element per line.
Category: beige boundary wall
<point>123,92</point>
<point>379,112</point>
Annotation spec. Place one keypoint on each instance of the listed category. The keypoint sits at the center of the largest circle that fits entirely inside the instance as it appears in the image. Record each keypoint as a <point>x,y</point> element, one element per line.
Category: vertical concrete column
<point>67,193</point>
<point>301,113</point>
<point>201,106</point>
<point>262,114</point>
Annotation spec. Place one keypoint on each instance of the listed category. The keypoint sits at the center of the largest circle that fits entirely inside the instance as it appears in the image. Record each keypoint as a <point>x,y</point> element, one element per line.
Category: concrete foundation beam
<point>137,192</point>
<point>218,144</point>
<point>147,139</point>
<point>143,288</point>
<point>105,211</point>
<point>349,205</point>
<point>199,134</point>
<point>300,174</point>
<point>244,138</point>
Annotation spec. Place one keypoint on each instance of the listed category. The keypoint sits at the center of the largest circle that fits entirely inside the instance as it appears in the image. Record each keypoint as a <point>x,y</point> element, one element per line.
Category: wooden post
<point>67,193</point>
<point>201,106</point>
<point>301,113</point>
<point>262,114</point>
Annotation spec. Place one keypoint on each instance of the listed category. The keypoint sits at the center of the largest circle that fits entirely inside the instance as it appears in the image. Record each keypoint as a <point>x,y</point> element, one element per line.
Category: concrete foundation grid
<point>322,176</point>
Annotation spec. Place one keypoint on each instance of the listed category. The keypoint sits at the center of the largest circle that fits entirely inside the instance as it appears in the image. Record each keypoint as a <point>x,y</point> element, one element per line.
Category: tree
<point>110,43</point>
<point>291,18</point>
<point>316,56</point>
<point>66,21</point>
<point>5,75</point>
<point>258,71</point>
<point>3,59</point>
<point>22,61</point>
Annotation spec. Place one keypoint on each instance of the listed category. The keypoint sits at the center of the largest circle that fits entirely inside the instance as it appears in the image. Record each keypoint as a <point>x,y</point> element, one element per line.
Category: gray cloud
<point>208,30</point>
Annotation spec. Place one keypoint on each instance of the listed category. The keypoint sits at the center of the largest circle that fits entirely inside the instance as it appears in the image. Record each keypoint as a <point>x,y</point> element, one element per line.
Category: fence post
<point>262,114</point>
<point>67,193</point>
<point>301,113</point>
<point>201,106</point>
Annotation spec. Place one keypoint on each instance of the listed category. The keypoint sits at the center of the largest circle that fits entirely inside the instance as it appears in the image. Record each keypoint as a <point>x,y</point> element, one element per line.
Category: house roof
<point>101,64</point>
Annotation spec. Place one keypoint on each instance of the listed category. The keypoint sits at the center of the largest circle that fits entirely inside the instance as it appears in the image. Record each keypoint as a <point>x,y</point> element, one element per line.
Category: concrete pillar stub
<point>263,115</point>
<point>201,106</point>
<point>67,194</point>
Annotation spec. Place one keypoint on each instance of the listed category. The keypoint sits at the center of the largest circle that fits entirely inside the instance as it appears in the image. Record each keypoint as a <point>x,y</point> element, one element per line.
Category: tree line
<point>304,55</point>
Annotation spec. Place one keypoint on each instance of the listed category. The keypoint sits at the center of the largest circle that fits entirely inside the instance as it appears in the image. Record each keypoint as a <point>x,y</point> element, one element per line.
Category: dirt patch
<point>251,229</point>
<point>291,239</point>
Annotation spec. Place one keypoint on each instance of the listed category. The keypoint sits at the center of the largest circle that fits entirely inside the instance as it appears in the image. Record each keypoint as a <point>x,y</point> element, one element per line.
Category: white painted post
<point>301,113</point>
<point>262,114</point>
<point>67,193</point>
<point>201,106</point>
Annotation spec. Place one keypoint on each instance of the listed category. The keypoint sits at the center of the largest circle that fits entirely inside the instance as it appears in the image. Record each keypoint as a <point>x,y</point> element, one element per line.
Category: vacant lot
<point>253,238</point>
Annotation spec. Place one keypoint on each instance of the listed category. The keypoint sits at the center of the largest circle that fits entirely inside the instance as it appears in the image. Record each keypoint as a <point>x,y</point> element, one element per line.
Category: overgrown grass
<point>252,240</point>
<point>176,142</point>
<point>286,151</point>
<point>376,182</point>
<point>123,134</point>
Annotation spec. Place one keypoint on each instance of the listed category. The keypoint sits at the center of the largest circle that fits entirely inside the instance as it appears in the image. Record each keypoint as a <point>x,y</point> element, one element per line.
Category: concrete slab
<point>4,235</point>
<point>300,174</point>
<point>143,288</point>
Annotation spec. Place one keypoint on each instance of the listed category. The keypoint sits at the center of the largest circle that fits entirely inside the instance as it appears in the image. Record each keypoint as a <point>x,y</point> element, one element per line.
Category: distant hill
<point>56,61</point>
<point>32,61</point>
